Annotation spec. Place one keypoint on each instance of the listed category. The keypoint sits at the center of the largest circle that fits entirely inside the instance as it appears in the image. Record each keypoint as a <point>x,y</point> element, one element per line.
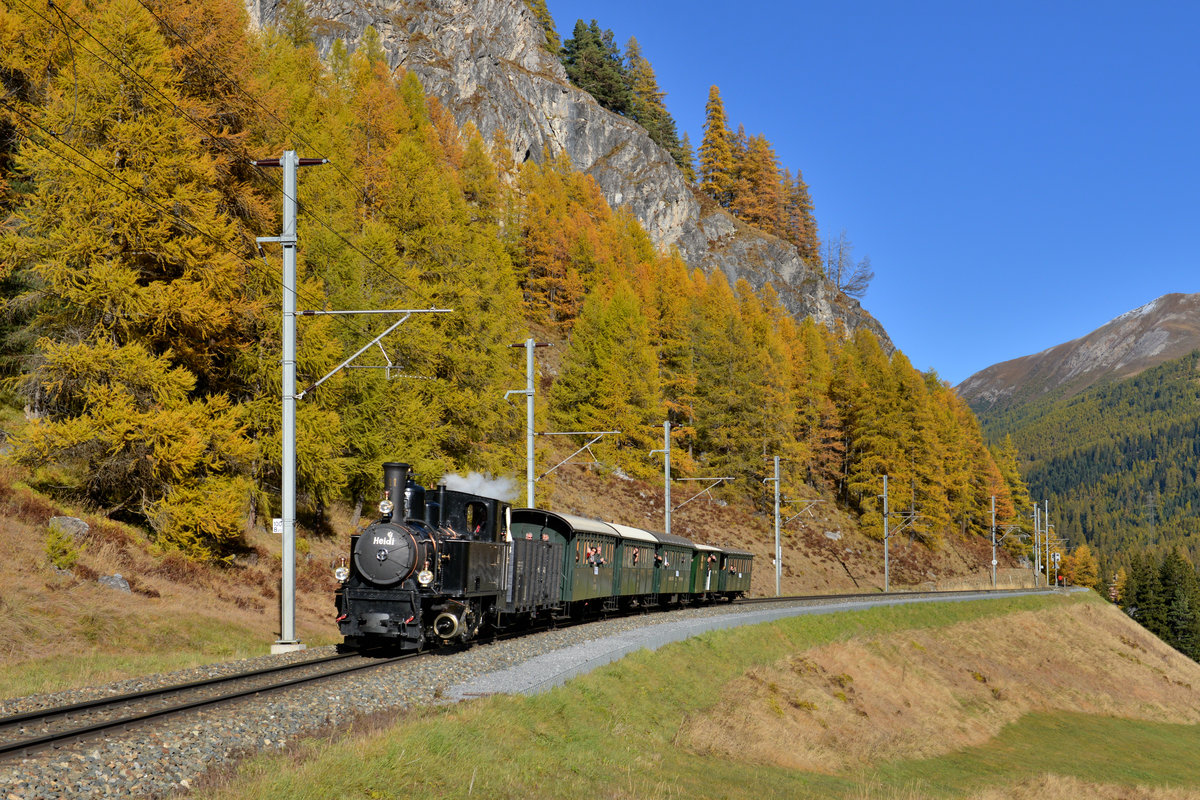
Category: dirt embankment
<point>823,550</point>
<point>923,693</point>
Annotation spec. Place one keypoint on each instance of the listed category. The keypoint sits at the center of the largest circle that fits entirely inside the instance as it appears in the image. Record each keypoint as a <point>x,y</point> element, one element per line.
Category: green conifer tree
<point>593,63</point>
<point>688,161</point>
<point>648,106</point>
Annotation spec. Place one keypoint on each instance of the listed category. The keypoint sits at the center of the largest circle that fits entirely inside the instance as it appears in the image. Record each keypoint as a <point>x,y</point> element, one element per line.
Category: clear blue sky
<point>1019,172</point>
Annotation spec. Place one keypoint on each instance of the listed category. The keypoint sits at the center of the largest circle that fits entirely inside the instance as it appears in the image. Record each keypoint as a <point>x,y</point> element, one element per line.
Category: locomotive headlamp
<point>424,577</point>
<point>341,574</point>
<point>385,507</point>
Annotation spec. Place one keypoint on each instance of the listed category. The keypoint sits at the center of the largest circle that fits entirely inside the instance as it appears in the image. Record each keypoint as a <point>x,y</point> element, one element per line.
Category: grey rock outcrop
<point>484,60</point>
<point>116,582</point>
<point>73,526</point>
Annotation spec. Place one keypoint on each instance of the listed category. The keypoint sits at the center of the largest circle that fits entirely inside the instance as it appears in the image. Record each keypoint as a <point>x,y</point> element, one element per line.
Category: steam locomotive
<point>440,565</point>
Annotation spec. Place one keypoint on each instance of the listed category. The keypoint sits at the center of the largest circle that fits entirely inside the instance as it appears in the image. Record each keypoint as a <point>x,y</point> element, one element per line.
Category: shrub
<point>61,549</point>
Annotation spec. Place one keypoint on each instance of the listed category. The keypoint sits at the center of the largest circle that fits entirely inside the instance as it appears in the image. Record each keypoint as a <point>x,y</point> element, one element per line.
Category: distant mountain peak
<point>1161,330</point>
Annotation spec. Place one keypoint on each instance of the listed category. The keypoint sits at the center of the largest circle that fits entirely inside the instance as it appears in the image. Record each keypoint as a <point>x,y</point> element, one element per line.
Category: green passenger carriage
<point>673,559</point>
<point>735,572</point>
<point>635,563</point>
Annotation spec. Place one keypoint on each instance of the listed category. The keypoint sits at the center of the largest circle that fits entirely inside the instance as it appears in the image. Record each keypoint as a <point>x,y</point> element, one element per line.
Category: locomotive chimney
<point>395,477</point>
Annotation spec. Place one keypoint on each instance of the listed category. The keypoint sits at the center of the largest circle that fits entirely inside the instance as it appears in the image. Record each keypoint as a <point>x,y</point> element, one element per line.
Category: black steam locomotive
<point>440,564</point>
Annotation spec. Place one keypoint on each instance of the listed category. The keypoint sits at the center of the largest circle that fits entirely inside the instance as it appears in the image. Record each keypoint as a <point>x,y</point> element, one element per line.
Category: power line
<point>214,137</point>
<point>138,194</point>
<point>208,60</point>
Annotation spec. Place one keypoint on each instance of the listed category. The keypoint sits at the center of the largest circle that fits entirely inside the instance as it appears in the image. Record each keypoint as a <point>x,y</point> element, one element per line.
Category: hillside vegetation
<point>143,332</point>
<point>1034,697</point>
<point>1118,462</point>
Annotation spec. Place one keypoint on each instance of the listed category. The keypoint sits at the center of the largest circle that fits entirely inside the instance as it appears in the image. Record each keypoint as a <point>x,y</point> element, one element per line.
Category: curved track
<point>54,727</point>
<point>50,728</point>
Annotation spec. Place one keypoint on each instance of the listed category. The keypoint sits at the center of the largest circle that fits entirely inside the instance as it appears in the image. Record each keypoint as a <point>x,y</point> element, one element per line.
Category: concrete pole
<point>287,638</point>
<point>778,548</point>
<point>287,239</point>
<point>886,584</point>
<point>1037,545</point>
<point>529,457</point>
<point>1046,537</point>
<point>667,475</point>
<point>993,541</point>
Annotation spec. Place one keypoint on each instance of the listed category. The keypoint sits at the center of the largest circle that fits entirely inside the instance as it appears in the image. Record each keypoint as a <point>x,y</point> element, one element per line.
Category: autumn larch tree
<point>134,269</point>
<point>718,167</point>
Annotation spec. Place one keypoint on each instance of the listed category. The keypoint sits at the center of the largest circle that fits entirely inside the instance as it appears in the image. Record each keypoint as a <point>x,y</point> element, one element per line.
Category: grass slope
<point>694,719</point>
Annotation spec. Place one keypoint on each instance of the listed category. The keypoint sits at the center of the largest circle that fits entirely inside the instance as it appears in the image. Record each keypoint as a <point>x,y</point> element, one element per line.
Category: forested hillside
<point>1118,463</point>
<point>142,328</point>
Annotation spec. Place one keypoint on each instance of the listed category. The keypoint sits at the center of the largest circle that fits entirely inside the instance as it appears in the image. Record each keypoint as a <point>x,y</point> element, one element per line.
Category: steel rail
<point>894,595</point>
<point>25,746</point>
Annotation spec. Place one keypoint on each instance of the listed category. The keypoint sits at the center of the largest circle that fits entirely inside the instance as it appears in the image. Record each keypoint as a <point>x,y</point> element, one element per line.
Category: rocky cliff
<point>1159,331</point>
<point>484,60</point>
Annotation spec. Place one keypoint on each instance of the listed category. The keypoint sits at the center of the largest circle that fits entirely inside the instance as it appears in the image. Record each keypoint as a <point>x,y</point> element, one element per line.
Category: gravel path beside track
<point>159,759</point>
<point>544,672</point>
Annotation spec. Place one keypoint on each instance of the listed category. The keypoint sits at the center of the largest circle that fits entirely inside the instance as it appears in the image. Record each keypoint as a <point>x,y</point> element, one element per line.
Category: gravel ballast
<point>165,757</point>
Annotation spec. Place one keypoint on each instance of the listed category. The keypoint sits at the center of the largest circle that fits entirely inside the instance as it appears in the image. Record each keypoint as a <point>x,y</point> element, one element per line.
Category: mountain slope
<point>1107,427</point>
<point>485,61</point>
<point>1118,463</point>
<point>1162,330</point>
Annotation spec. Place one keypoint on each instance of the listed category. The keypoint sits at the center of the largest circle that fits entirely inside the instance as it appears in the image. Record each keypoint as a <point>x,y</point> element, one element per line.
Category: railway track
<point>881,595</point>
<point>51,728</point>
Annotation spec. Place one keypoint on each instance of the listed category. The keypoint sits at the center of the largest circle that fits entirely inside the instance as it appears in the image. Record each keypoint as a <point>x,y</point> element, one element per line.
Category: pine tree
<point>609,380</point>
<point>1081,569</point>
<point>799,224</point>
<point>672,301</point>
<point>1145,601</point>
<point>1019,515</point>
<point>872,427</point>
<point>648,107</point>
<point>593,63</point>
<point>687,162</point>
<point>717,162</point>
<point>758,199</point>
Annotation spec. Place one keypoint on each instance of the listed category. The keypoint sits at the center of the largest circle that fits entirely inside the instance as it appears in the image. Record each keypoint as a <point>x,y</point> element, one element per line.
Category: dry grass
<point>924,693</point>
<point>1043,787</point>
<point>1058,787</point>
<point>61,630</point>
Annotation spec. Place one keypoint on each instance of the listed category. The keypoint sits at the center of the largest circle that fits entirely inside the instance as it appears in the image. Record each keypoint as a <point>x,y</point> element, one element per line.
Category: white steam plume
<point>476,483</point>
